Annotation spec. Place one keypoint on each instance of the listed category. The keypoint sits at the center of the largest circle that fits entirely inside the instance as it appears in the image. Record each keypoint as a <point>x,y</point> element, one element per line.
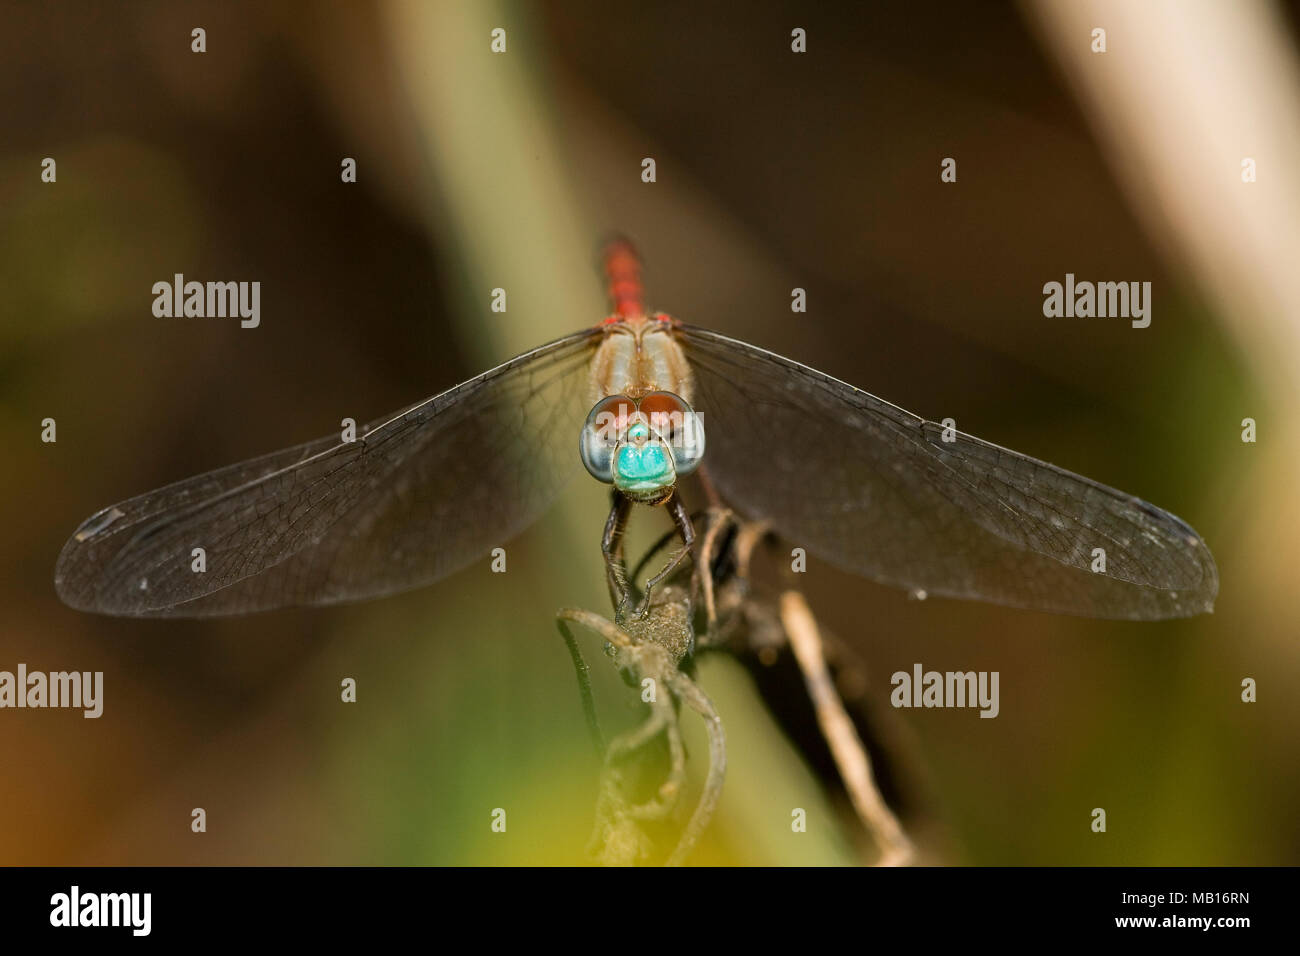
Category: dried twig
<point>841,736</point>
<point>656,647</point>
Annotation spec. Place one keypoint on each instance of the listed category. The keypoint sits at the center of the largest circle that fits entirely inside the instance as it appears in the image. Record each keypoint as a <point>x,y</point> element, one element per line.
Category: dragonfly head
<point>642,446</point>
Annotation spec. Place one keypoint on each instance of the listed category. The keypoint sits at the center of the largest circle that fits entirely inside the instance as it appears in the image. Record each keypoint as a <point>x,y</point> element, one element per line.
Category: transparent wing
<point>875,490</point>
<point>417,496</point>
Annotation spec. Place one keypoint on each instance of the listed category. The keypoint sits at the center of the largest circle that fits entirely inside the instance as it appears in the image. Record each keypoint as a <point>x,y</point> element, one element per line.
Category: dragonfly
<point>854,480</point>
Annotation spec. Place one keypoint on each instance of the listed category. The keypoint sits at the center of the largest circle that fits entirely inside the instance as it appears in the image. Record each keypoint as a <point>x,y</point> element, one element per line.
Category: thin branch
<point>697,700</point>
<point>846,746</point>
<point>584,685</point>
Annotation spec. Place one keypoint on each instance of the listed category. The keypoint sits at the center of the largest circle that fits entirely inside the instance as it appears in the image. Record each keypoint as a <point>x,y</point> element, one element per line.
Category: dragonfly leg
<point>611,546</point>
<point>681,518</point>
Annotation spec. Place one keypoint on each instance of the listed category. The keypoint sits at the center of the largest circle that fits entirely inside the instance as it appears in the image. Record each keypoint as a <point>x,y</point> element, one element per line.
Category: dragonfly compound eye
<point>679,425</point>
<point>606,424</point>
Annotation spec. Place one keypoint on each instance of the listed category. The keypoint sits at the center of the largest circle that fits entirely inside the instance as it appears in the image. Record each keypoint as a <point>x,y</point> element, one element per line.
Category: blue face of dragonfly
<point>642,447</point>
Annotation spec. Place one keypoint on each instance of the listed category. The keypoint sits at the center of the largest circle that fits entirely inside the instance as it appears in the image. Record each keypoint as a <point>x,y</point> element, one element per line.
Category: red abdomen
<point>623,279</point>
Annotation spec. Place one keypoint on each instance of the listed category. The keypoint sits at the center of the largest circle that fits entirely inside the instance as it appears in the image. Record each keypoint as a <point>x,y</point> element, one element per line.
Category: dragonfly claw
<point>638,613</point>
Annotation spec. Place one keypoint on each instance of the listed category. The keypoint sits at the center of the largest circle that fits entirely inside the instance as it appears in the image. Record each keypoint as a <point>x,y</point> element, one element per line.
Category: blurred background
<point>774,170</point>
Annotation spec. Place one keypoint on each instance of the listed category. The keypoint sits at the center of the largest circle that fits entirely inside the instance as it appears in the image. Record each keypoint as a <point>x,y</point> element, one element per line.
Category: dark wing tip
<point>1208,589</point>
<point>79,571</point>
<point>69,578</point>
<point>1198,595</point>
